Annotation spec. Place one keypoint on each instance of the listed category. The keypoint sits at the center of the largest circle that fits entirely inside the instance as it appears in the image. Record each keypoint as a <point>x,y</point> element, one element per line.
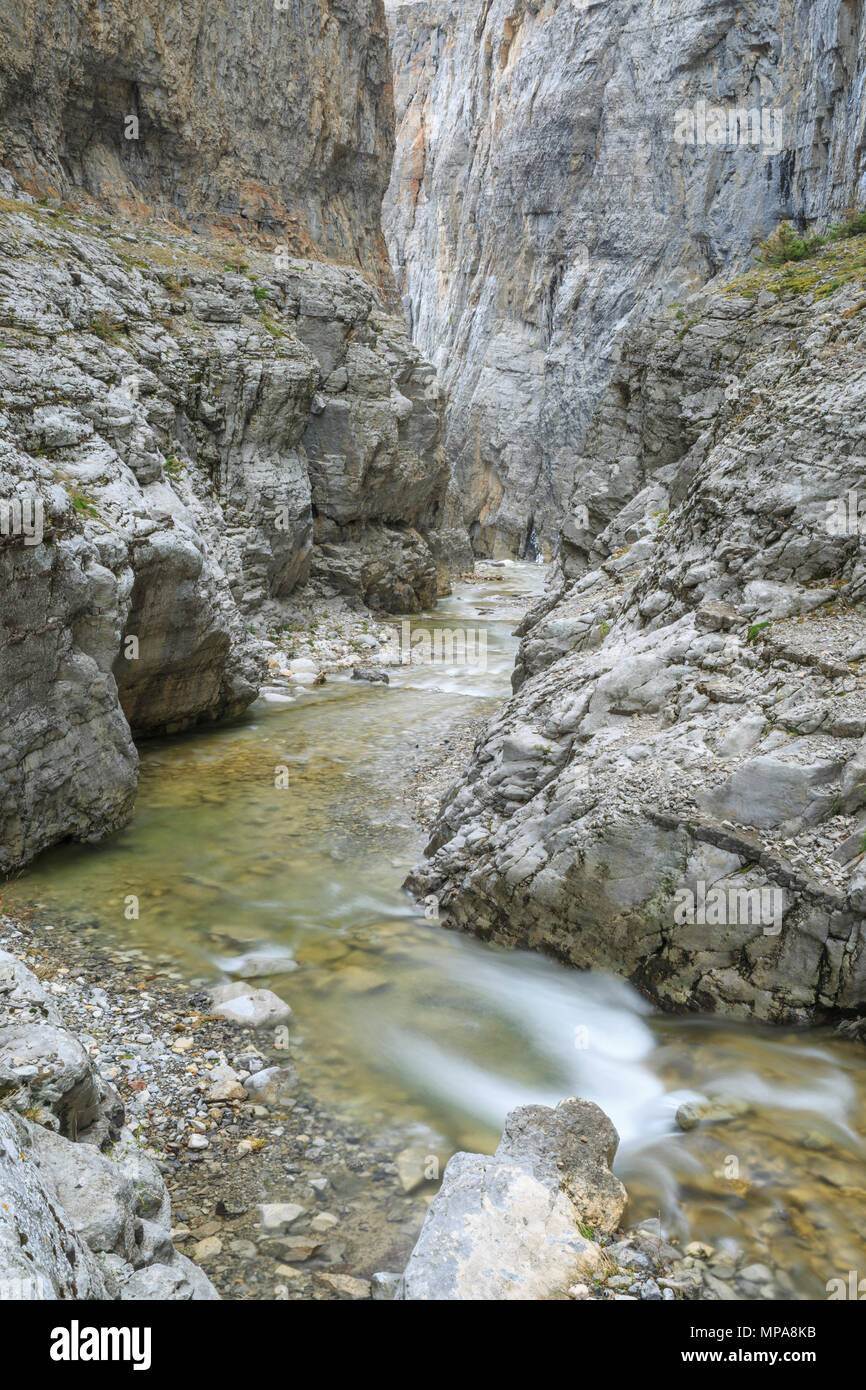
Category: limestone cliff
<point>198,437</point>
<point>197,415</point>
<point>676,790</point>
<point>273,117</point>
<point>565,168</point>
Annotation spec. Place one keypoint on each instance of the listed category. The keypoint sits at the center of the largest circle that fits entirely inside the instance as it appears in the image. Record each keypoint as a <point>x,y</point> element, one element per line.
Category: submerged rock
<point>371,673</point>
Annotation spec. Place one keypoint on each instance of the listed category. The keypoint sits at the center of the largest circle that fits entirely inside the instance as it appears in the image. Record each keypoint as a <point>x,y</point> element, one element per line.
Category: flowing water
<point>405,1023</point>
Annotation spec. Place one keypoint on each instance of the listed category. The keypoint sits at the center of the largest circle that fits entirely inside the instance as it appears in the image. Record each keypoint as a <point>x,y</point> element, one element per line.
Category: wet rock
<point>374,674</point>
<point>384,1286</point>
<point>711,1112</point>
<point>345,1285</point>
<point>277,1217</point>
<point>273,1086</point>
<point>415,1166</point>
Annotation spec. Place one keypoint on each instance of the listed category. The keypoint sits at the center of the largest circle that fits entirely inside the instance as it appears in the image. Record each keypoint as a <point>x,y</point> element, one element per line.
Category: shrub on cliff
<point>785,245</point>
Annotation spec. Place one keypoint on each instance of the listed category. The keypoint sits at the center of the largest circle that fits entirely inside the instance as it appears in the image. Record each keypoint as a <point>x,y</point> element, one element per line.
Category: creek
<point>405,1023</point>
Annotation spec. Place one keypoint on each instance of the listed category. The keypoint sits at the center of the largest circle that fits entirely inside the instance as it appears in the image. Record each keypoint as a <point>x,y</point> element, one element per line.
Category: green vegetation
<point>103,326</point>
<point>853,224</point>
<point>84,505</point>
<point>785,245</point>
<point>816,265</point>
<point>273,328</point>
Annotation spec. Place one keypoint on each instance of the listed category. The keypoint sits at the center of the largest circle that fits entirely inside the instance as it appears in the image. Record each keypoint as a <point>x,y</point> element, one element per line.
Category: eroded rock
<point>518,1225</point>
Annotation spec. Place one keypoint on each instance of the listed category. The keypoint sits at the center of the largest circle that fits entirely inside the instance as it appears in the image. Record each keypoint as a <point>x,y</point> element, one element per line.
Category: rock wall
<point>272,118</point>
<point>675,792</point>
<point>200,433</point>
<point>205,400</point>
<point>542,201</point>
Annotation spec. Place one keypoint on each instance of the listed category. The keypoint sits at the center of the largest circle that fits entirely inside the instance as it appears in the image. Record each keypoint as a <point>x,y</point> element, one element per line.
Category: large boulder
<point>521,1224</point>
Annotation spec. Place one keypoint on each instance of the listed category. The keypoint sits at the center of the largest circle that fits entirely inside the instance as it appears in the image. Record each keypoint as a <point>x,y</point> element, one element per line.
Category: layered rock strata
<point>272,119</point>
<point>676,790</point>
<point>564,169</point>
<point>188,431</point>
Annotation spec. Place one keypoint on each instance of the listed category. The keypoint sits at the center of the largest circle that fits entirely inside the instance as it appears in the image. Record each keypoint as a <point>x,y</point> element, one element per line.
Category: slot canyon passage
<point>433,738</point>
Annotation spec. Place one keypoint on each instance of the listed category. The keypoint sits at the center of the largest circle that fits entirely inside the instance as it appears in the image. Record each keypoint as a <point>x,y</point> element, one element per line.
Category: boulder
<point>520,1225</point>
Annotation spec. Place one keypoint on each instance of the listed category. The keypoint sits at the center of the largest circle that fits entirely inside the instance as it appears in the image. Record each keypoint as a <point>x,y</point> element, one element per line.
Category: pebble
<point>325,1221</point>
<point>279,1216</point>
<point>207,1249</point>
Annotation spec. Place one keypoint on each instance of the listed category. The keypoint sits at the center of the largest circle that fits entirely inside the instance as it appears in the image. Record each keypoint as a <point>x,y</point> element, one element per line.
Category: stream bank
<point>408,1038</point>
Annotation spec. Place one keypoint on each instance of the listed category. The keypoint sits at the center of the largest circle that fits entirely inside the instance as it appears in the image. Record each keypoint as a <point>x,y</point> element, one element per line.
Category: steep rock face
<point>195,434</point>
<point>541,201</point>
<point>676,790</point>
<point>273,117</point>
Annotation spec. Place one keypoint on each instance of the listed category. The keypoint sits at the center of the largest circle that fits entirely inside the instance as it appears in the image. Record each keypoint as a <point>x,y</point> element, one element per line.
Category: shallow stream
<point>402,1022</point>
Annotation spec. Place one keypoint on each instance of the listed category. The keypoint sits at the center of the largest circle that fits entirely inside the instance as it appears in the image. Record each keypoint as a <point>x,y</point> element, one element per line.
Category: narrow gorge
<point>433,748</point>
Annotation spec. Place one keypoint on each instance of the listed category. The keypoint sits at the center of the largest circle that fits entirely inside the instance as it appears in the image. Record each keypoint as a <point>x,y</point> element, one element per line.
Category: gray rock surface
<point>514,1226</point>
<point>198,438</point>
<point>273,120</point>
<point>673,792</point>
<point>541,204</point>
<point>257,1008</point>
<point>84,1212</point>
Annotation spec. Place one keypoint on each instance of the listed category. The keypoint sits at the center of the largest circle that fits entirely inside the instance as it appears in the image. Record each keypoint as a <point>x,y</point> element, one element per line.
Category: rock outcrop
<point>273,119</point>
<point>190,427</point>
<point>676,791</point>
<point>524,1223</point>
<point>84,1212</point>
<point>565,169</point>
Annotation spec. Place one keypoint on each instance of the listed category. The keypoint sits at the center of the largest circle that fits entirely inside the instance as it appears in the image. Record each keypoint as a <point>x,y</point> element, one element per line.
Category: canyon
<point>306,312</point>
<point>541,204</point>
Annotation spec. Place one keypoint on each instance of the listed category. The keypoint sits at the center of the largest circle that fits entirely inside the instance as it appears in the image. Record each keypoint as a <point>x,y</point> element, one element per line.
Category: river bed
<point>288,834</point>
